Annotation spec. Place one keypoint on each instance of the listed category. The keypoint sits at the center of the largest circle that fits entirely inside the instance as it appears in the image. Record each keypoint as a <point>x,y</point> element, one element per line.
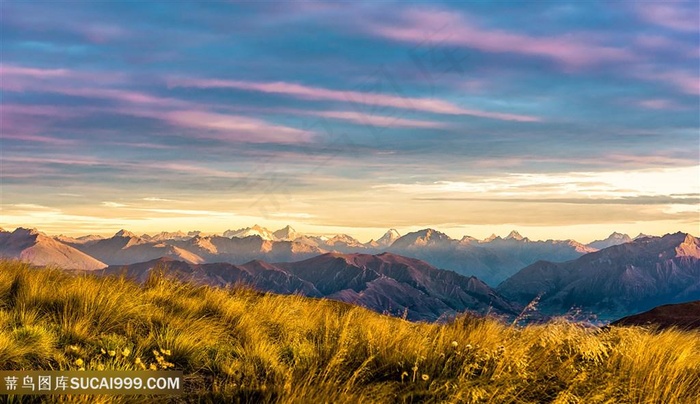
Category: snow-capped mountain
<point>514,235</point>
<point>165,236</point>
<point>343,243</point>
<point>424,238</point>
<point>492,260</point>
<point>387,239</point>
<point>90,238</point>
<point>613,239</point>
<point>256,230</point>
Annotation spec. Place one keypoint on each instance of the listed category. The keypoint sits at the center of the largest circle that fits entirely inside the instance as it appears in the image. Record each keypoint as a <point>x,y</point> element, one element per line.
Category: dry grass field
<point>238,345</point>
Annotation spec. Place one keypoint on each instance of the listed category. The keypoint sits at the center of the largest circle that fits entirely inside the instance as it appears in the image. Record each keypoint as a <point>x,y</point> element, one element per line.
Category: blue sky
<point>560,119</point>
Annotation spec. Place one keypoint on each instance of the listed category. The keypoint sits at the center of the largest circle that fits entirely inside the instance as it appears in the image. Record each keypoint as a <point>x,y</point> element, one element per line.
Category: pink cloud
<point>377,120</point>
<point>37,110</point>
<point>659,104</point>
<point>22,78</point>
<point>673,15</point>
<point>683,81</point>
<point>11,70</point>
<point>373,99</point>
<point>37,139</point>
<point>354,116</point>
<point>136,103</point>
<point>239,128</point>
<point>448,28</point>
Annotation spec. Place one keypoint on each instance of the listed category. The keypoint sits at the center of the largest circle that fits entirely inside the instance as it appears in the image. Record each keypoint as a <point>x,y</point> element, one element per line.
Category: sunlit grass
<point>241,345</point>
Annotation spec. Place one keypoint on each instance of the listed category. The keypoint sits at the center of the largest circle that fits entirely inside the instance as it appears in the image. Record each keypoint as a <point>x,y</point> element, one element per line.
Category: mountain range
<point>629,276</point>
<point>492,260</point>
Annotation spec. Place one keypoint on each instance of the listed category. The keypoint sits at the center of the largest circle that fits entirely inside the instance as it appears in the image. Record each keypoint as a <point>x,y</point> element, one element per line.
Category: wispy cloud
<point>157,199</point>
<point>378,120</point>
<point>449,28</point>
<point>292,215</point>
<point>659,104</point>
<point>238,128</point>
<point>177,112</point>
<point>109,204</point>
<point>8,70</point>
<point>608,184</point>
<point>350,96</point>
<point>190,212</point>
<point>674,15</point>
<point>625,200</point>
<point>30,138</point>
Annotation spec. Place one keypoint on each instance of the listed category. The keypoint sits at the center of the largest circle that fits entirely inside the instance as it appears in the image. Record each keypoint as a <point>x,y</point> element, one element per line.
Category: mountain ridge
<point>386,283</point>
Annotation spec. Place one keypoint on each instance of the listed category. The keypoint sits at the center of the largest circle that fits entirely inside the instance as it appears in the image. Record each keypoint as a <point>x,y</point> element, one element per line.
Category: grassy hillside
<point>239,345</point>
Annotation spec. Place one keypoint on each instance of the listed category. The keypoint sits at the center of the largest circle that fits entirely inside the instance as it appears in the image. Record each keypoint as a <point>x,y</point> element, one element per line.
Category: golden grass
<point>237,345</point>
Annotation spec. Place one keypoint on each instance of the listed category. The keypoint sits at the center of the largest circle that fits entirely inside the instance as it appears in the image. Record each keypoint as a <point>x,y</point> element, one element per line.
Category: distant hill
<point>615,281</point>
<point>682,315</point>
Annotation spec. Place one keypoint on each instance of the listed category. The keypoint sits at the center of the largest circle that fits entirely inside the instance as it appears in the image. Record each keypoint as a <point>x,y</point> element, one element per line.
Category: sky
<point>558,119</point>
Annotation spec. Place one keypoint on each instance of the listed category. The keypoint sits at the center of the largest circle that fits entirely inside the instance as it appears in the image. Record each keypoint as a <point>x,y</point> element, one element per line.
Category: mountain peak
<point>23,231</point>
<point>392,233</point>
<point>690,247</point>
<point>613,239</point>
<point>490,238</point>
<point>425,237</point>
<point>467,240</point>
<point>514,235</point>
<point>256,230</point>
<point>286,233</point>
<point>125,233</point>
<point>389,237</point>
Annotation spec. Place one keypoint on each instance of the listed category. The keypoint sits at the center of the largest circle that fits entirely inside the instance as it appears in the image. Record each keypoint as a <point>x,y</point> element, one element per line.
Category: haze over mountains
<point>625,278</point>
